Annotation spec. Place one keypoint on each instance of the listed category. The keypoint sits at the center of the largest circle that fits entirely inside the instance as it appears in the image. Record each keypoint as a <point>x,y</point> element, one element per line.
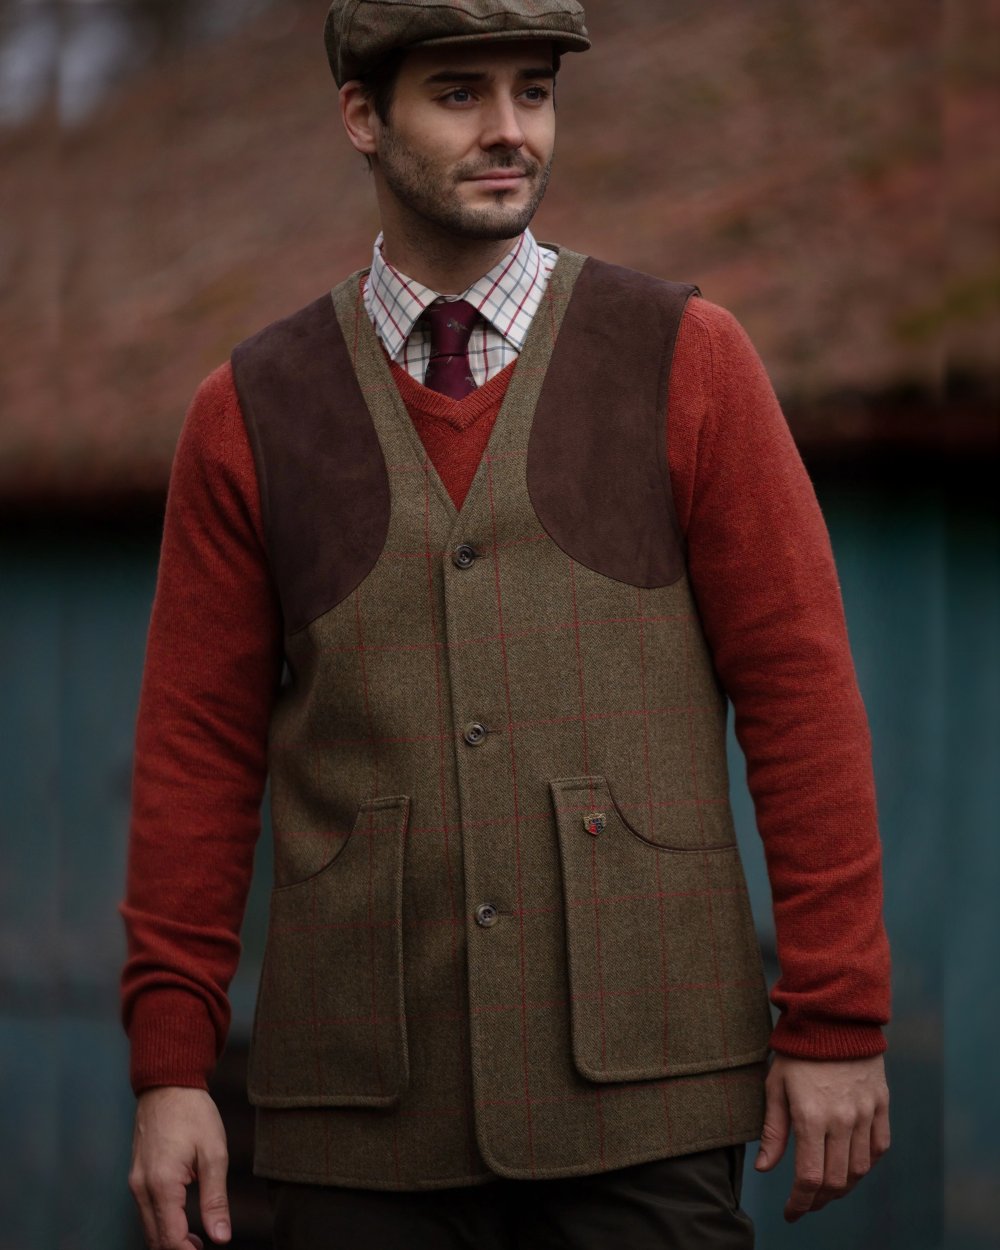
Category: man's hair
<point>379,83</point>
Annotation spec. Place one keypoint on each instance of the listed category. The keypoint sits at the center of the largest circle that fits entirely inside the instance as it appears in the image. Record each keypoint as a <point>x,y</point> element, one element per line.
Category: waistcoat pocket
<point>665,971</point>
<point>329,1027</point>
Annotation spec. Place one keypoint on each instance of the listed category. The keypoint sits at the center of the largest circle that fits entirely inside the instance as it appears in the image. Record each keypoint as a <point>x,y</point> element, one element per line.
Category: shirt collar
<point>507,297</point>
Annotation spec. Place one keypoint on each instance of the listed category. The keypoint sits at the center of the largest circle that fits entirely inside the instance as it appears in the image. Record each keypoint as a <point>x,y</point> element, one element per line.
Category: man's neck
<point>446,265</point>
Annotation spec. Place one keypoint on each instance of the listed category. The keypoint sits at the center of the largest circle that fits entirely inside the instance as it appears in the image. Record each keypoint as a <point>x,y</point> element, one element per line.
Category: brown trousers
<point>669,1204</point>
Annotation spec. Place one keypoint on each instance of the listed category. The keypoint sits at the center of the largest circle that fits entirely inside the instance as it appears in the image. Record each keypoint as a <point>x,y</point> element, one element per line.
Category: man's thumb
<point>212,1198</point>
<point>774,1134</point>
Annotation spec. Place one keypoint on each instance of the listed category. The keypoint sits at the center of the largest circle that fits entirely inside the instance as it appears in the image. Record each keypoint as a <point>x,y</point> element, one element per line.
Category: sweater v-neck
<point>460,414</point>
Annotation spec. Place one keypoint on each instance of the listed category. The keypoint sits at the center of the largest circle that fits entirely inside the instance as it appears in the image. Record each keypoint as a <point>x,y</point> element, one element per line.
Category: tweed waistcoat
<point>509,932</point>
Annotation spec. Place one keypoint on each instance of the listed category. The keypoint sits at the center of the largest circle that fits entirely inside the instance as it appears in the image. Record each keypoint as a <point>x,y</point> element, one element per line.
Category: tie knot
<point>451,324</point>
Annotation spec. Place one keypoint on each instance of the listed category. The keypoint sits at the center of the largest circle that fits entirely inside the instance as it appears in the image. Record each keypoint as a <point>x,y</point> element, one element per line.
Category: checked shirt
<point>507,298</point>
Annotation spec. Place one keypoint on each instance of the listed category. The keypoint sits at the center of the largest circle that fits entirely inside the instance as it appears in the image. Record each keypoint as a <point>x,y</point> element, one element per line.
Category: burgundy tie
<point>449,370</point>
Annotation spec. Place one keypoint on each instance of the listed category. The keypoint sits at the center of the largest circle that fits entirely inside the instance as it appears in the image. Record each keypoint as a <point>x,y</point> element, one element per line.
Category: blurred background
<point>173,176</point>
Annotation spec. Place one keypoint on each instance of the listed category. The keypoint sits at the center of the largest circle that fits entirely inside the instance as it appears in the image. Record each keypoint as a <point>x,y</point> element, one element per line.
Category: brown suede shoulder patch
<point>323,480</point>
<point>597,470</point>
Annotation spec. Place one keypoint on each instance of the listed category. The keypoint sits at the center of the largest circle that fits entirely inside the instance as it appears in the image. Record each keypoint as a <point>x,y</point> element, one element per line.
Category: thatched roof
<point>824,169</point>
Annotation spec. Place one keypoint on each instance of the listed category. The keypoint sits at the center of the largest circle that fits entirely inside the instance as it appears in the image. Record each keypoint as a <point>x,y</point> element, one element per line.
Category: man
<point>513,523</point>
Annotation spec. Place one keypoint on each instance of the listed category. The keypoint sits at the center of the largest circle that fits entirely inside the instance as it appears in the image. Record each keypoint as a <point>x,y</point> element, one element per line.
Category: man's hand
<point>178,1137</point>
<point>840,1112</point>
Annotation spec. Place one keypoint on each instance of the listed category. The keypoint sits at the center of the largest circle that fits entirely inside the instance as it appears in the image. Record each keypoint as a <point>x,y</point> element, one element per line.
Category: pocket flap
<point>329,1028</point>
<point>665,971</point>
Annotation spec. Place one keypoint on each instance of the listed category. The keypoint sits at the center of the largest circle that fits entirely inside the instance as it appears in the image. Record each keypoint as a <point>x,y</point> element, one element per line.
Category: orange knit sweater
<point>762,570</point>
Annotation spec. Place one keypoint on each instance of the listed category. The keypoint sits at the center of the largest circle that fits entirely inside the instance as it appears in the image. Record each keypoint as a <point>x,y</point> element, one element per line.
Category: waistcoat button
<point>463,556</point>
<point>475,734</point>
<point>486,915</point>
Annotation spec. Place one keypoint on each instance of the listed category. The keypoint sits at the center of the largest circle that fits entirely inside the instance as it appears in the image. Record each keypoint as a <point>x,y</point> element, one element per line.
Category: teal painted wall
<point>920,579</point>
<point>71,636</point>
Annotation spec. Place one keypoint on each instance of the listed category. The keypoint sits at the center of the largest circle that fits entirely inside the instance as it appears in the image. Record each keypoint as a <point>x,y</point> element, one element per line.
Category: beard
<point>432,193</point>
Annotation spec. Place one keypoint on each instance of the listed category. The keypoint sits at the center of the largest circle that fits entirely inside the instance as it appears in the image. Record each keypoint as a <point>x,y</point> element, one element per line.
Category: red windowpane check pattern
<point>529,648</point>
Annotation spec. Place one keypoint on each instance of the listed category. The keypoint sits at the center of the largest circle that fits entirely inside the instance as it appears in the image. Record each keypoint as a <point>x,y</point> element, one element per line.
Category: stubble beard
<point>419,184</point>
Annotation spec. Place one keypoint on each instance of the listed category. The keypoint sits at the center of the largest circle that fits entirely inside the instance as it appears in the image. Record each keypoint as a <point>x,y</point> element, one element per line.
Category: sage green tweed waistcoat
<point>510,931</point>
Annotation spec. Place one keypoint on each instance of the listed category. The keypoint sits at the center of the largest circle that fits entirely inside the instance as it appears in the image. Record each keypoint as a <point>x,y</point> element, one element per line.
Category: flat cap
<point>360,33</point>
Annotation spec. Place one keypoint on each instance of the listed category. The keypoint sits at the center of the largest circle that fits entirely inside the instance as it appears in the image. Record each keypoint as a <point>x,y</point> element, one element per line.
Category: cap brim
<point>565,41</point>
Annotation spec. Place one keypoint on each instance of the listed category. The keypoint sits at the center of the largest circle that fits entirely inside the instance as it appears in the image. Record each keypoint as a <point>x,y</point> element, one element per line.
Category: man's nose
<point>501,126</point>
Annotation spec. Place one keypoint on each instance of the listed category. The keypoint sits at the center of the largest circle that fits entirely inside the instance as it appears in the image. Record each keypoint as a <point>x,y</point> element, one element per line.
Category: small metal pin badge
<point>594,823</point>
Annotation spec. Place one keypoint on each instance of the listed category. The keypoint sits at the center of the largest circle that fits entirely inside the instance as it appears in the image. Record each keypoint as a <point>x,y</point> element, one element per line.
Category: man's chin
<point>493,220</point>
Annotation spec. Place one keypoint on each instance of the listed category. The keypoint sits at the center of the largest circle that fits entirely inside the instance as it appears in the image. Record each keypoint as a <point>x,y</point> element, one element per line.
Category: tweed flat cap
<point>360,33</point>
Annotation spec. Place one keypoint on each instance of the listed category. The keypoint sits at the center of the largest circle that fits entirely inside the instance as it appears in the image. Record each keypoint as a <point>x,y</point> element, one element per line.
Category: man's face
<point>470,137</point>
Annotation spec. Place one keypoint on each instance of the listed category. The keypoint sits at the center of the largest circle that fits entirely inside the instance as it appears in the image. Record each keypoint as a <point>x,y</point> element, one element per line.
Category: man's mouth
<point>499,179</point>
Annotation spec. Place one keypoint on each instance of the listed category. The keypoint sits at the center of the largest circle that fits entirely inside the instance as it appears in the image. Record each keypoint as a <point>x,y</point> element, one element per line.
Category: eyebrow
<point>465,75</point>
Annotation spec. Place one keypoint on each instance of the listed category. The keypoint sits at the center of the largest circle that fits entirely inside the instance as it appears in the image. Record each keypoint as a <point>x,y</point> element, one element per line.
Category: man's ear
<point>360,120</point>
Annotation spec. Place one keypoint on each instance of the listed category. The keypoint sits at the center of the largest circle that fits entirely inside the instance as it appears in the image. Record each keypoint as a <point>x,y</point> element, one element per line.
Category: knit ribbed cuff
<point>824,1039</point>
<point>172,1040</point>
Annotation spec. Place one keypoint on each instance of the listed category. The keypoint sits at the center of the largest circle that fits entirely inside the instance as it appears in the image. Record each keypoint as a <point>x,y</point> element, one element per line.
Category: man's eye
<point>537,94</point>
<point>461,95</point>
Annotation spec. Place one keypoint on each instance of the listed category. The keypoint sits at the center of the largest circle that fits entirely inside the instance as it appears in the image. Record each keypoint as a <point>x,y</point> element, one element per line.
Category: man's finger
<point>880,1129</point>
<point>212,1197</point>
<point>836,1165</point>
<point>167,1196</point>
<point>774,1134</point>
<point>860,1161</point>
<point>140,1192</point>
<point>809,1168</point>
